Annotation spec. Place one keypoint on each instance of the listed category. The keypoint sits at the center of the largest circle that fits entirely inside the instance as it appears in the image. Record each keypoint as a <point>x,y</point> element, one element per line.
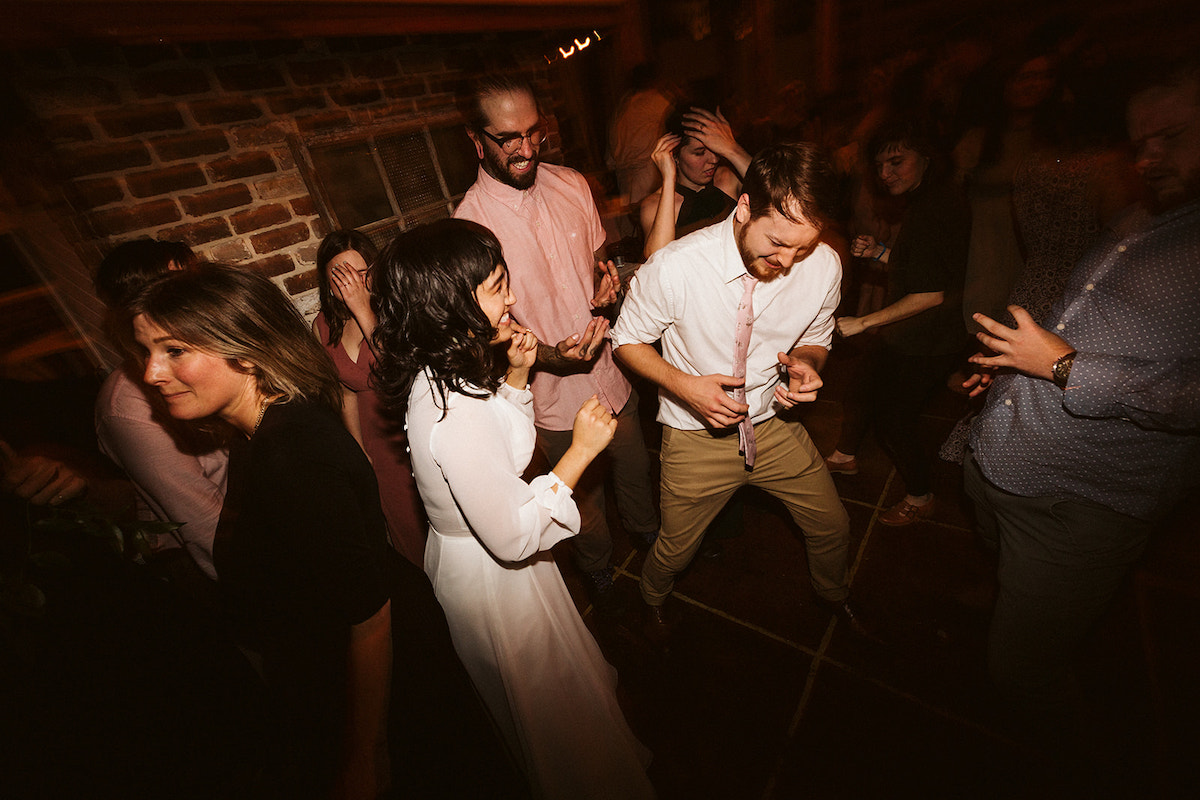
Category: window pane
<point>353,187</point>
<point>381,233</point>
<point>411,171</point>
<point>430,214</point>
<point>457,157</point>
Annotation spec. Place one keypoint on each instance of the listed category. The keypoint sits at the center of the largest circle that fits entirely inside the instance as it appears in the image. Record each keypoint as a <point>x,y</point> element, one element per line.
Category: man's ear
<point>741,213</point>
<point>476,141</point>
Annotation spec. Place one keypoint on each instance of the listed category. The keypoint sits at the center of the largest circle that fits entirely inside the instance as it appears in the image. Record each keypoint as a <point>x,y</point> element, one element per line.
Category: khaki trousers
<point>700,471</point>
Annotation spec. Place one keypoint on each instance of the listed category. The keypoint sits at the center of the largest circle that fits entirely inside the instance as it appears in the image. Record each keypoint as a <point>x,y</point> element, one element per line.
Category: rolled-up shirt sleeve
<point>819,333</point>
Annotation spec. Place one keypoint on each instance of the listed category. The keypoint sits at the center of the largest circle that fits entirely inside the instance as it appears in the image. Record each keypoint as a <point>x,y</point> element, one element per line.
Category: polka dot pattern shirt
<point>1126,431</point>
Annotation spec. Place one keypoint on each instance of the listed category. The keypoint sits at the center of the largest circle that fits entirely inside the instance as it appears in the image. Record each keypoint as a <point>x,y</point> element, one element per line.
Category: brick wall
<point>190,142</point>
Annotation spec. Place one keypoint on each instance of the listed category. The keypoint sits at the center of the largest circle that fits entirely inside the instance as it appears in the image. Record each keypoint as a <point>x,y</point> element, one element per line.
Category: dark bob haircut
<point>429,318</point>
<point>912,133</point>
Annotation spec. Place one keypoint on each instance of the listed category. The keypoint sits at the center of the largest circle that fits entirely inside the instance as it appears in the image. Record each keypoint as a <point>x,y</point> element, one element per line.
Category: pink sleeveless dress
<point>386,446</point>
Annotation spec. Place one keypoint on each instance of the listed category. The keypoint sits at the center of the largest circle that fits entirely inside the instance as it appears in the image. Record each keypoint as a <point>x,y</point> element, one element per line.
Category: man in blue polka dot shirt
<point>1091,430</point>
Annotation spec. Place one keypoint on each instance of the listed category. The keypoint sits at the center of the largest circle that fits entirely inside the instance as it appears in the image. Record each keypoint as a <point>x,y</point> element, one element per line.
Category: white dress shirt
<point>687,295</point>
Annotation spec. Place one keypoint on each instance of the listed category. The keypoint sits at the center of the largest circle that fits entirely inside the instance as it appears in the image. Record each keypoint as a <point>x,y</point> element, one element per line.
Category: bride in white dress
<point>444,300</point>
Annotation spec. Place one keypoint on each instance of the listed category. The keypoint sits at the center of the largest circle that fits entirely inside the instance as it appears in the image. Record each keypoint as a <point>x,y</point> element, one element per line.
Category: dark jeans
<point>1061,562</point>
<point>889,392</point>
<point>630,469</point>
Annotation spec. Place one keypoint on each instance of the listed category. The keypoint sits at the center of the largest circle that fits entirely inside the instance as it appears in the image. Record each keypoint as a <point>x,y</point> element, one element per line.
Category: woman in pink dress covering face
<point>344,326</point>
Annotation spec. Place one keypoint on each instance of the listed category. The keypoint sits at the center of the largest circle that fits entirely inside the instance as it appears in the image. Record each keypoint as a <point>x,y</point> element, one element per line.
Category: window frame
<point>302,147</point>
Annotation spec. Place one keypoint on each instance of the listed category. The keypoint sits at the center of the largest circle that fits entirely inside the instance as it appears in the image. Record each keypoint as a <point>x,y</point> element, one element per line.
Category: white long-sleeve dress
<point>512,620</point>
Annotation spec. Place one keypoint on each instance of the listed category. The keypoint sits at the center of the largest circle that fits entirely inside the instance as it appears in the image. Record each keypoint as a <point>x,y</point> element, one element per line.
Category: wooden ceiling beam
<point>51,22</point>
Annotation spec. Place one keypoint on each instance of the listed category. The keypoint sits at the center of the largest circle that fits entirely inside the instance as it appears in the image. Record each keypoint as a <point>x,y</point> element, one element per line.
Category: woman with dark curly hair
<point>444,316</point>
<point>354,648</point>
<point>344,326</point>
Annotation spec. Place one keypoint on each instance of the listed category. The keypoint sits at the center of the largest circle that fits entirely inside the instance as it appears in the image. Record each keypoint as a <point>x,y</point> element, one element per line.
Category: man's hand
<point>707,396</point>
<point>608,284</point>
<point>977,383</point>
<point>803,381</point>
<point>865,246</point>
<point>586,346</point>
<point>1027,348</point>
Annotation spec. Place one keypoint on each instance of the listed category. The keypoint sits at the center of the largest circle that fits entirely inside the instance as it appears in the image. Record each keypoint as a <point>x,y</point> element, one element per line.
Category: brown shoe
<point>905,513</point>
<point>656,626</point>
<point>844,468</point>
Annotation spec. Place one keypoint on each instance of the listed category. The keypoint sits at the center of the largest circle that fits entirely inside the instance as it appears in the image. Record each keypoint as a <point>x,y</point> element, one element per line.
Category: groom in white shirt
<point>753,296</point>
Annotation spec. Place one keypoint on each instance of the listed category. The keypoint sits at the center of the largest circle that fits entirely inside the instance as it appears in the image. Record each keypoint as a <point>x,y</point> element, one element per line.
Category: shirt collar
<point>732,266</point>
<point>501,192</point>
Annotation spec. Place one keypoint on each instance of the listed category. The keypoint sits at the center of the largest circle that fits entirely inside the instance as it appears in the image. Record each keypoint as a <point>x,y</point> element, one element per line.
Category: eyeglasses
<point>512,142</point>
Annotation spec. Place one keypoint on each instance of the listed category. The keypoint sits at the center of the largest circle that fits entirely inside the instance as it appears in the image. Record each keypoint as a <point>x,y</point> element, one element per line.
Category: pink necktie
<point>741,345</point>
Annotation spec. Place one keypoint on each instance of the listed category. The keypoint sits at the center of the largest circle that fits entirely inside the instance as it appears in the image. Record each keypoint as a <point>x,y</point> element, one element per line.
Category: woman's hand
<point>664,155</point>
<point>711,130</point>
<point>594,428</point>
<point>522,348</point>
<point>522,353</point>
<point>350,288</point>
<point>40,480</point>
<point>865,246</point>
<point>850,326</point>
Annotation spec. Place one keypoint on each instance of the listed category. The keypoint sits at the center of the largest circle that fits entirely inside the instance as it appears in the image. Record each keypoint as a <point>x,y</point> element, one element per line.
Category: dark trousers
<point>889,392</point>
<point>630,469</point>
<point>1061,562</point>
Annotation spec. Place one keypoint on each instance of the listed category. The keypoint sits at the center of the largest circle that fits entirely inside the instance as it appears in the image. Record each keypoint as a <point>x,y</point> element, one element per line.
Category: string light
<point>575,47</point>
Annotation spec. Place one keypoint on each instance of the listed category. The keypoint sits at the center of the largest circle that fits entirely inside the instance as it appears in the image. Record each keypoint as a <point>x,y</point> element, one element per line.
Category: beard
<point>497,164</point>
<point>757,267</point>
<point>1169,191</point>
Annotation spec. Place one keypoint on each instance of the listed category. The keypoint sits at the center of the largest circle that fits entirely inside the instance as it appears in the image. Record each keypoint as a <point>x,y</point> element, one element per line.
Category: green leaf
<point>118,537</point>
<point>141,545</point>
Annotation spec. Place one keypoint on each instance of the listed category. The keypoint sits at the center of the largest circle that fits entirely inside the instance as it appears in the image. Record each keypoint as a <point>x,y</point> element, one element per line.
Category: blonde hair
<point>243,317</point>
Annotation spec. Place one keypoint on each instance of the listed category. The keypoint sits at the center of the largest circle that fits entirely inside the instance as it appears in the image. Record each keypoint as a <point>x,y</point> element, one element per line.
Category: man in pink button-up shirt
<point>548,226</point>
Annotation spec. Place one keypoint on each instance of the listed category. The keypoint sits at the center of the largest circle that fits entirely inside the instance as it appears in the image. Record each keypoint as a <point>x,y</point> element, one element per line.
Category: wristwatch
<point>1062,369</point>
